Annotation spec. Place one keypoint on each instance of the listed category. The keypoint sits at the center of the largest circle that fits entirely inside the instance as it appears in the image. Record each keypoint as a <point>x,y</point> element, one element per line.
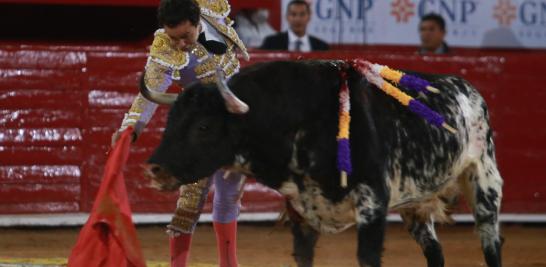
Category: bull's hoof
<point>303,262</point>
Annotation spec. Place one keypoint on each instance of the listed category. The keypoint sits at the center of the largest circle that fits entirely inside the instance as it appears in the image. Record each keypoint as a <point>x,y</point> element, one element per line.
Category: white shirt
<point>210,32</point>
<point>252,35</point>
<point>293,38</point>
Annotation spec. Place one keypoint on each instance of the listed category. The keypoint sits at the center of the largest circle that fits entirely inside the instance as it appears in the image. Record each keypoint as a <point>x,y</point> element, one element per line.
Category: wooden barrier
<point>59,105</point>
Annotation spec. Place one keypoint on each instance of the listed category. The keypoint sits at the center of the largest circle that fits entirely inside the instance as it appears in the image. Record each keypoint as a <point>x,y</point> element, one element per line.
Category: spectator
<point>432,31</point>
<point>252,26</point>
<point>298,15</point>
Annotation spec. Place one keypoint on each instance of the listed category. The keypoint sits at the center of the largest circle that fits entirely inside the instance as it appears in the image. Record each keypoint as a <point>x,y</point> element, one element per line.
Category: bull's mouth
<point>161,179</point>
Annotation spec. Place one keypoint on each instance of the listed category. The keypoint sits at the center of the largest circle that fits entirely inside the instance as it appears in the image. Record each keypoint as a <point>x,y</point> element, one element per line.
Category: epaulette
<point>228,31</point>
<point>214,8</point>
<point>165,53</point>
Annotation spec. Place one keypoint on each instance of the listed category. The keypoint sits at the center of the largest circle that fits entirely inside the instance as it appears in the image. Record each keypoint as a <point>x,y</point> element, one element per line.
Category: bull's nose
<point>154,168</point>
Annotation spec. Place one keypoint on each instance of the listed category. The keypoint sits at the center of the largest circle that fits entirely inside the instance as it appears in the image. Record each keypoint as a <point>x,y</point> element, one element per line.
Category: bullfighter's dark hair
<point>435,18</point>
<point>173,12</point>
<point>299,2</point>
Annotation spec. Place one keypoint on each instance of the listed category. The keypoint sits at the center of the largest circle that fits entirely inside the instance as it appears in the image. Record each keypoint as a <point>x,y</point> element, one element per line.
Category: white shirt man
<point>298,44</point>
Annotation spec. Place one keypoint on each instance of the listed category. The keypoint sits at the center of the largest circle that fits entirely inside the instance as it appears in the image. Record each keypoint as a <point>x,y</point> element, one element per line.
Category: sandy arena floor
<point>264,245</point>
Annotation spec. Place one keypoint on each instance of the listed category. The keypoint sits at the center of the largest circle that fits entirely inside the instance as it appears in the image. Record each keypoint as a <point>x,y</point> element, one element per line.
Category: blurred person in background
<point>296,39</point>
<point>432,31</point>
<point>252,26</point>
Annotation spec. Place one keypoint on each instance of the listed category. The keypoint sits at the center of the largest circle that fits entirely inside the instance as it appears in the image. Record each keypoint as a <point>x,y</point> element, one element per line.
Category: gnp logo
<point>533,13</point>
<point>402,10</point>
<point>456,11</point>
<point>346,9</point>
<point>529,13</point>
<point>504,12</point>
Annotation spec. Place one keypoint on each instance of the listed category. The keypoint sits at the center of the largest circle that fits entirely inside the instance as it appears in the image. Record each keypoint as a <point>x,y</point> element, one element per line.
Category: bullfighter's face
<point>183,35</point>
<point>197,140</point>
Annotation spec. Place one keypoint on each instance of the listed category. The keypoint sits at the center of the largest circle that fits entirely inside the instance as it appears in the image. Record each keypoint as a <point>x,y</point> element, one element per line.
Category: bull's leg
<point>371,216</point>
<point>305,239</point>
<point>370,242</point>
<point>484,192</point>
<point>423,232</point>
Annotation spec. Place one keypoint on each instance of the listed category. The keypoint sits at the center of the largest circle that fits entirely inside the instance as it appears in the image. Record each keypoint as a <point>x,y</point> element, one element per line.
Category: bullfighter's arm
<point>163,66</point>
<point>157,78</point>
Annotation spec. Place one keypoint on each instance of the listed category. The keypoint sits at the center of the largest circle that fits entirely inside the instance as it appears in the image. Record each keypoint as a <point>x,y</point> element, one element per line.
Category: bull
<point>278,122</point>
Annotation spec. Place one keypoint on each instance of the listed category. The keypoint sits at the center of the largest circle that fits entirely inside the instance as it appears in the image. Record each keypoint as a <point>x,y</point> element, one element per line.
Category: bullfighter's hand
<point>115,137</point>
<point>117,134</point>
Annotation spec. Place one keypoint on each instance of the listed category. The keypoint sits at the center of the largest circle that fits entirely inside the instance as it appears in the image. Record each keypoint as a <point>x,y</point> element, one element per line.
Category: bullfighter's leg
<point>423,232</point>
<point>484,193</point>
<point>226,206</point>
<point>305,239</point>
<point>188,209</point>
<point>371,216</point>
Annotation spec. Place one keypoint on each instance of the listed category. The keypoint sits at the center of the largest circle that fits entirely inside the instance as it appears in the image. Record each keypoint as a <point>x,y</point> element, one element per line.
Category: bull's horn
<point>156,97</point>
<point>233,104</point>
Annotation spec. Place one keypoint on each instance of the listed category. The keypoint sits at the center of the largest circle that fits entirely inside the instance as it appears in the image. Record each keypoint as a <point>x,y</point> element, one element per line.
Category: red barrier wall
<point>59,105</point>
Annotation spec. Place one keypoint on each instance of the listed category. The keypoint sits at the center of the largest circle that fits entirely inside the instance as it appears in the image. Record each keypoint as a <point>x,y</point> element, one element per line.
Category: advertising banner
<point>470,23</point>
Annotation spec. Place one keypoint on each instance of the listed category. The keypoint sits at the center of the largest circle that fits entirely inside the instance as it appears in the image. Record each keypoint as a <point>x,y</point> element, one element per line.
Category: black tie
<point>212,46</point>
<point>298,45</point>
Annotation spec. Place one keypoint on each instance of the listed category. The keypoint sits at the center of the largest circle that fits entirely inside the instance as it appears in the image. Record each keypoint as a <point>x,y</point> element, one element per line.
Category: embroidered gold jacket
<point>167,63</point>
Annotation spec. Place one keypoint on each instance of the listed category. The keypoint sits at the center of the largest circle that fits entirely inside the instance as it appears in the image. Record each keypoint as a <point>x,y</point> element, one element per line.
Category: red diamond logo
<point>504,12</point>
<point>402,10</point>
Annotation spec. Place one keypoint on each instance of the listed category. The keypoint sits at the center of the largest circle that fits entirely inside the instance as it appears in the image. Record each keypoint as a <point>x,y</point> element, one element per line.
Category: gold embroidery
<point>165,53</point>
<point>228,62</point>
<point>190,194</point>
<point>208,79</point>
<point>134,113</point>
<point>207,66</point>
<point>138,105</point>
<point>199,51</point>
<point>229,21</point>
<point>189,204</point>
<point>214,8</point>
<point>154,76</point>
<point>232,67</point>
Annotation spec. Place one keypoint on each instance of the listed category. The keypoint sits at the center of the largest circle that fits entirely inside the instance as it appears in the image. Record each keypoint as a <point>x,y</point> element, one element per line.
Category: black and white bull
<point>287,140</point>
